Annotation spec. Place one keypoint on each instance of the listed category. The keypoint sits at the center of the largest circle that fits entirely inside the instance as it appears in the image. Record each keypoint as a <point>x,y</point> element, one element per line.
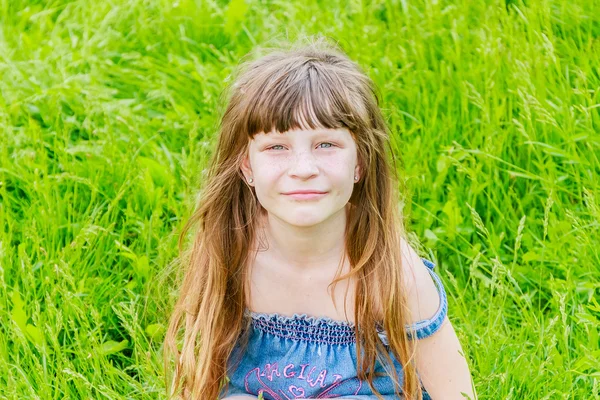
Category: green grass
<point>107,117</point>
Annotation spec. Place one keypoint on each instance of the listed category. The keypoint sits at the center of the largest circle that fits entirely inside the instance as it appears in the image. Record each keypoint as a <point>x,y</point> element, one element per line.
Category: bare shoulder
<point>422,294</point>
<point>441,363</point>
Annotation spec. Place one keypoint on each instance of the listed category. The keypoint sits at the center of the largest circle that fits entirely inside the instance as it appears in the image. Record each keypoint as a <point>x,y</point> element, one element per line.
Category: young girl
<point>299,282</point>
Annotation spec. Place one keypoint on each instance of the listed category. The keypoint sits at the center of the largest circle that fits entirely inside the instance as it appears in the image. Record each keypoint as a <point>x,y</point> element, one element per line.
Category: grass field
<point>107,117</point>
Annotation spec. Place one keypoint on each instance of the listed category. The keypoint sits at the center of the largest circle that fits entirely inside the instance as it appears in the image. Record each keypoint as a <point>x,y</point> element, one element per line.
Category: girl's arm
<point>442,366</point>
<point>440,362</point>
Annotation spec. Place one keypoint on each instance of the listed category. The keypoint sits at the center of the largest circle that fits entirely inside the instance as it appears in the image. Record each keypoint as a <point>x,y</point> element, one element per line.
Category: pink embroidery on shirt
<point>343,387</point>
<point>269,370</point>
<point>320,378</point>
<point>296,391</point>
<point>285,373</point>
<point>338,388</point>
<point>263,386</point>
<point>309,374</point>
<point>285,395</point>
<point>301,376</point>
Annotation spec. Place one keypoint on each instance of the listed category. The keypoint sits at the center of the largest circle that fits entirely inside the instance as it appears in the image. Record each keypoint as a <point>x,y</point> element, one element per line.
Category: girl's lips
<point>306,196</point>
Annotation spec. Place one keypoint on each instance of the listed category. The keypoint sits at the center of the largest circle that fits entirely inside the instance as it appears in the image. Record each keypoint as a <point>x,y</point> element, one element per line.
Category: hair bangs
<point>309,97</point>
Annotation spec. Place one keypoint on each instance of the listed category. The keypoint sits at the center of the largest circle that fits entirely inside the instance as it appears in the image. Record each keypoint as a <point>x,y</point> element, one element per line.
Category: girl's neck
<point>304,248</point>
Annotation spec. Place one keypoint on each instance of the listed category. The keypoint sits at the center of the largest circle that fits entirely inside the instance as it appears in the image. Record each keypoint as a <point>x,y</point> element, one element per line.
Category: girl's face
<point>322,163</point>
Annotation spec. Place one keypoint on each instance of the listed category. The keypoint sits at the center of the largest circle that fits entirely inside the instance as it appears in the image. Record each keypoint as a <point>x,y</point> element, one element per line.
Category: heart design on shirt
<point>296,391</point>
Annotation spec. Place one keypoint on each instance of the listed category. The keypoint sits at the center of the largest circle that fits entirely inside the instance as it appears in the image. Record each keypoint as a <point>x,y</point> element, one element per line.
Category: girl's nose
<point>303,165</point>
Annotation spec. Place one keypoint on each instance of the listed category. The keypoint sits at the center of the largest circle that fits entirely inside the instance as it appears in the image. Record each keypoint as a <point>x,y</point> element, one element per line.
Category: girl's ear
<point>357,171</point>
<point>245,167</point>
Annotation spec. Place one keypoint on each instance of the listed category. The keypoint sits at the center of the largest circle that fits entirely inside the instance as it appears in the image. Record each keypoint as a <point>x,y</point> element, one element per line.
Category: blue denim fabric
<point>302,357</point>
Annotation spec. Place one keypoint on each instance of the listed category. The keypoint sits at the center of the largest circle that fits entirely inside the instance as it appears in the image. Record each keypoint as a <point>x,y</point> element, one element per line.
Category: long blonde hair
<point>307,86</point>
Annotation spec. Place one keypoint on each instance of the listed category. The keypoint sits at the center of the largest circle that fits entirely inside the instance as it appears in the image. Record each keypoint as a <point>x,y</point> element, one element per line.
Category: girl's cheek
<point>338,162</point>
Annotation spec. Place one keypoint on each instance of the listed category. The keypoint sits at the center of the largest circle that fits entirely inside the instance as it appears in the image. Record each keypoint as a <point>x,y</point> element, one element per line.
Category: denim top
<point>303,356</point>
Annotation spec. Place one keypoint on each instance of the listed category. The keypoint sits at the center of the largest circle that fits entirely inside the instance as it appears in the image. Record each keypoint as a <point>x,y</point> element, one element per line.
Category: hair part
<point>298,86</point>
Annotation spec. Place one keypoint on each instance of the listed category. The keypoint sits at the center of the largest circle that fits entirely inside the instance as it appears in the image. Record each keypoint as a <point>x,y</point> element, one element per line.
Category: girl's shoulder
<point>425,292</point>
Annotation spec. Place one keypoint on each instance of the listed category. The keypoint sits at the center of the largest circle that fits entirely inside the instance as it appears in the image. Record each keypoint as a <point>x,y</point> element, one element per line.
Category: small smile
<point>305,194</point>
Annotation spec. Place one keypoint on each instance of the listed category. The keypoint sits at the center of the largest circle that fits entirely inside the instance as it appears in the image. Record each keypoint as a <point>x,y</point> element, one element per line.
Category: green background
<point>108,113</point>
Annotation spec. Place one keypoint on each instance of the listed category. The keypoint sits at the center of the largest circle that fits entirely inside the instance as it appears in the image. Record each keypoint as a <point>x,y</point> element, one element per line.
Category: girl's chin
<point>305,220</point>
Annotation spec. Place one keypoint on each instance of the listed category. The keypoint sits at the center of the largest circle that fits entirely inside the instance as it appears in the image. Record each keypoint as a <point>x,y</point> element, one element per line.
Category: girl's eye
<point>330,145</point>
<point>275,147</point>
